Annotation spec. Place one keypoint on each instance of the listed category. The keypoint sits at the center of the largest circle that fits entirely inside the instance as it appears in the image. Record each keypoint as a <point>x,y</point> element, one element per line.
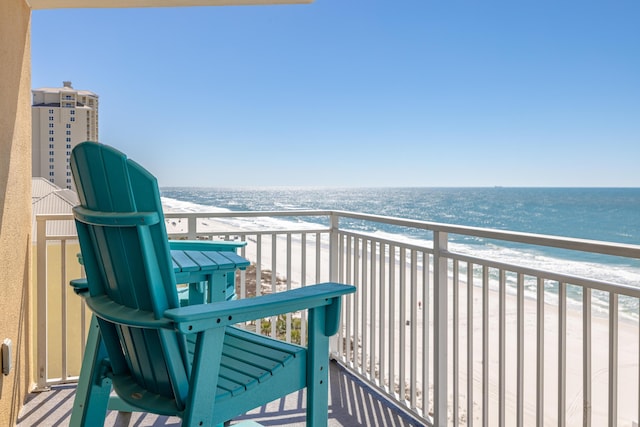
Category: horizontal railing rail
<point>451,337</point>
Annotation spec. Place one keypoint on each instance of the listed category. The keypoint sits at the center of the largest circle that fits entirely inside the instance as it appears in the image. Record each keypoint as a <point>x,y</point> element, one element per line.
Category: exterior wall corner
<point>15,201</point>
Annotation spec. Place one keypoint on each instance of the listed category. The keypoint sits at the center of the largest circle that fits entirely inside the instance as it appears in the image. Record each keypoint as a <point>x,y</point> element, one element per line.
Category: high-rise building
<point>62,118</point>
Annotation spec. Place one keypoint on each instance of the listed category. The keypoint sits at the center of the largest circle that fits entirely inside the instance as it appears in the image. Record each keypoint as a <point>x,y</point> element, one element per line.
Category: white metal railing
<point>451,337</point>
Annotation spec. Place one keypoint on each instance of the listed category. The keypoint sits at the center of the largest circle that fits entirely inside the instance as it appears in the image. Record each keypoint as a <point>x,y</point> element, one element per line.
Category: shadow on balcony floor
<point>351,404</point>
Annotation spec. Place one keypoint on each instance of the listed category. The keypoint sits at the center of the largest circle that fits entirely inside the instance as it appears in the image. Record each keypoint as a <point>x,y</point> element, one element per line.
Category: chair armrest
<point>197,318</point>
<point>79,285</point>
<point>104,307</point>
<point>205,245</point>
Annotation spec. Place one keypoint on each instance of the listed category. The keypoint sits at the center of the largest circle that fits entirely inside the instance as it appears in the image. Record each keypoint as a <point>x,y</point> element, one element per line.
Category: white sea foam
<point>253,223</point>
<point>616,273</point>
<point>179,206</point>
<point>531,258</point>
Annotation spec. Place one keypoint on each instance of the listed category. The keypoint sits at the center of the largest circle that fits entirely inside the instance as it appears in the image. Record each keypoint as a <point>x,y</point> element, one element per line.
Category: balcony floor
<point>351,403</point>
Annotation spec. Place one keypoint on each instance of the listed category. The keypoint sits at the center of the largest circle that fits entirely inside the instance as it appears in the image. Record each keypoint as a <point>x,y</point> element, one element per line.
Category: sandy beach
<point>293,272</point>
<point>627,363</point>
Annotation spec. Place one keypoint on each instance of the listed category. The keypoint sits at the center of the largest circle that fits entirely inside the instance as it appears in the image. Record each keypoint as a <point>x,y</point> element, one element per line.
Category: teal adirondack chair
<point>190,362</point>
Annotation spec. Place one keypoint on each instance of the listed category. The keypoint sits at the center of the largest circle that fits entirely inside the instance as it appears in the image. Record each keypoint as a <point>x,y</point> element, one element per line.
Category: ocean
<point>606,214</point>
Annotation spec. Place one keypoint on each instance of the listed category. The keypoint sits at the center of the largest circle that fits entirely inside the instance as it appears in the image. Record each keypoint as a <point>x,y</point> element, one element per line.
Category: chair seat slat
<point>253,349</point>
<point>260,374</point>
<point>238,377</point>
<point>261,341</point>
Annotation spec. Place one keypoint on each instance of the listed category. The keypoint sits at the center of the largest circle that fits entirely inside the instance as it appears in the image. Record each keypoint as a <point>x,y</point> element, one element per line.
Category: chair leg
<point>317,370</point>
<point>203,383</point>
<point>92,394</point>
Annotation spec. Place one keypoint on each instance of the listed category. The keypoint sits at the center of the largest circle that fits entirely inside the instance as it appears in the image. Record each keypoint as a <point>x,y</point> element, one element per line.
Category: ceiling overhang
<point>63,4</point>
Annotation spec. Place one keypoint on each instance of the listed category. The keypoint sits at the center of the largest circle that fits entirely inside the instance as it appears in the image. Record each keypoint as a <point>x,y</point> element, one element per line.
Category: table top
<point>189,261</point>
<point>214,268</point>
<point>194,265</point>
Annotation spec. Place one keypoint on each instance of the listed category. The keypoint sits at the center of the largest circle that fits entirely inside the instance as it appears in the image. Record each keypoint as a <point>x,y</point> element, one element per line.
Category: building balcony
<point>434,335</point>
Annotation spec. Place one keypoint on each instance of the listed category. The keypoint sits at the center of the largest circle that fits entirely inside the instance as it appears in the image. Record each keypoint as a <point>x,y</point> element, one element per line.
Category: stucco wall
<point>15,199</point>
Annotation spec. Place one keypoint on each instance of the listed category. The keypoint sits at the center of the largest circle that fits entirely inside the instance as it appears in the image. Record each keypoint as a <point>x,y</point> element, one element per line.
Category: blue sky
<point>361,92</point>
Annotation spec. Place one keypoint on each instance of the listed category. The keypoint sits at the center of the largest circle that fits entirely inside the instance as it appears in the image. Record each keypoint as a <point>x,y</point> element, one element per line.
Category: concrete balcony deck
<point>351,403</point>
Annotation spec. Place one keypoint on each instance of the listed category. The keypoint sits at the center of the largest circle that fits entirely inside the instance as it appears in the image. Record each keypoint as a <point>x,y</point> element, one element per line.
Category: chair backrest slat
<point>130,263</point>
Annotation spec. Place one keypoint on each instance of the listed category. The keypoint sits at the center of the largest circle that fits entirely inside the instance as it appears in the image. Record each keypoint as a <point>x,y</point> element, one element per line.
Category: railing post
<point>192,224</point>
<point>334,270</point>
<point>440,327</point>
<point>41,304</point>
<point>334,247</point>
